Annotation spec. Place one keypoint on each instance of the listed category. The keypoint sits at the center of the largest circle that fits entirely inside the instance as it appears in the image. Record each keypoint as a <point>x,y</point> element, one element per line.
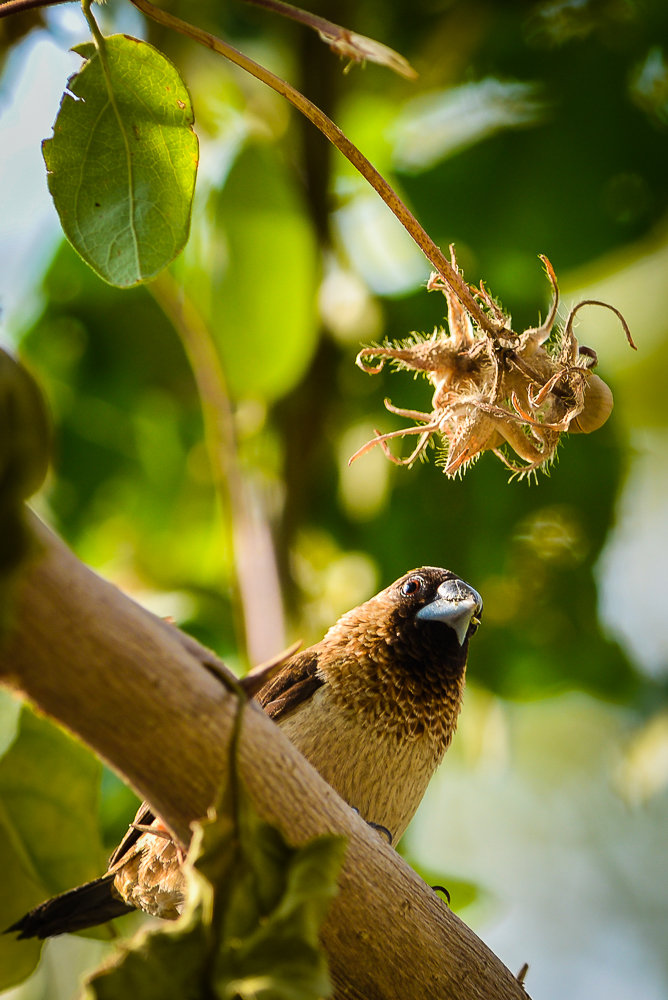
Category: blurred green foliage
<point>132,489</point>
<point>37,797</point>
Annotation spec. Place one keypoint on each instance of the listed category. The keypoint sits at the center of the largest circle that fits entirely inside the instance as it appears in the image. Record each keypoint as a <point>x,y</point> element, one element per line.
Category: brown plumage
<point>373,706</point>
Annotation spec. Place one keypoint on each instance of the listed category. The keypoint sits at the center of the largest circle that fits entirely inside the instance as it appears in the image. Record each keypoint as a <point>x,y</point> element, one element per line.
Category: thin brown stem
<point>606,305</point>
<point>432,252</point>
<point>332,132</point>
<point>258,590</point>
<point>19,6</point>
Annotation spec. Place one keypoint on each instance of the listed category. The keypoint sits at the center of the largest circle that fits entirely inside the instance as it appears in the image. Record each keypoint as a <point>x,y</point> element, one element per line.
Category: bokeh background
<point>534,127</point>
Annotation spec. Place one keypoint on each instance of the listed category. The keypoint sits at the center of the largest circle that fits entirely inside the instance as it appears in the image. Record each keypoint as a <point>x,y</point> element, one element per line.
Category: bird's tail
<point>87,905</point>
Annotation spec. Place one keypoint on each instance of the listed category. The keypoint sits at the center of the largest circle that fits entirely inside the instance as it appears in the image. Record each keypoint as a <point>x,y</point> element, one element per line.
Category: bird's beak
<point>456,605</point>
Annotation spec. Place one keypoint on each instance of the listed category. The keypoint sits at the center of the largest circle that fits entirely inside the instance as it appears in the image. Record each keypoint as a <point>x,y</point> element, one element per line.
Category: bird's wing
<point>292,685</point>
<point>145,816</point>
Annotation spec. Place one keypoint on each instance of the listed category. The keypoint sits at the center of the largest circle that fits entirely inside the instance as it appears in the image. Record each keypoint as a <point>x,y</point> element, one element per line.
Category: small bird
<point>373,706</point>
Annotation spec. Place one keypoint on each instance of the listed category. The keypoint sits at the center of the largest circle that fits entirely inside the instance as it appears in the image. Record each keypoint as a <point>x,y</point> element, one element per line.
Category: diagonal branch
<point>139,693</point>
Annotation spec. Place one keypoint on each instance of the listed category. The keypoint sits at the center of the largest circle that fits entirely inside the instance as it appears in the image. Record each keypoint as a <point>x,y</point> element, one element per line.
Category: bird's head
<point>401,656</point>
<point>427,615</point>
<point>427,604</point>
<point>432,595</point>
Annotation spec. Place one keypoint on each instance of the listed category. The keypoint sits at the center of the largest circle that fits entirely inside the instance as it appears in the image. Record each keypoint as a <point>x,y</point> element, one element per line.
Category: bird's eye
<point>412,586</point>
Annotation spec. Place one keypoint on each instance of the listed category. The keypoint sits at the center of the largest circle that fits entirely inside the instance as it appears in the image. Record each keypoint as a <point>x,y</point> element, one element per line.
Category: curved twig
<point>332,132</point>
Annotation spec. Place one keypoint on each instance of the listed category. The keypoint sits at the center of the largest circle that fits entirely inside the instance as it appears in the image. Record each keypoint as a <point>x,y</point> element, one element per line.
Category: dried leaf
<point>360,48</point>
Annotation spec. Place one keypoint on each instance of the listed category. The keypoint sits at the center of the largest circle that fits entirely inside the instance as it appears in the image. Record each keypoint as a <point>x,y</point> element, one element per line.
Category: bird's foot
<point>378,827</point>
<point>381,829</point>
<point>441,888</point>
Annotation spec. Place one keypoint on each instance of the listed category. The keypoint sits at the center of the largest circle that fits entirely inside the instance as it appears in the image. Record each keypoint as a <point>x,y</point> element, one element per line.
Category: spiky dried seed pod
<point>494,391</point>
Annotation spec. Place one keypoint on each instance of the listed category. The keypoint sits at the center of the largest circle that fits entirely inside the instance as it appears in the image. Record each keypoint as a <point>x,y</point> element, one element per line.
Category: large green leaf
<point>49,840</point>
<point>272,950</point>
<point>251,270</point>
<point>123,159</point>
<point>17,958</point>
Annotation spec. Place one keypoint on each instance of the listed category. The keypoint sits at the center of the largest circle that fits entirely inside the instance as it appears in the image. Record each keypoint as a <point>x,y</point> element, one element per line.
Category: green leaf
<point>49,840</point>
<point>263,313</point>
<point>16,961</point>
<point>165,964</point>
<point>264,317</point>
<point>10,717</point>
<point>250,929</point>
<point>123,159</point>
<point>279,955</point>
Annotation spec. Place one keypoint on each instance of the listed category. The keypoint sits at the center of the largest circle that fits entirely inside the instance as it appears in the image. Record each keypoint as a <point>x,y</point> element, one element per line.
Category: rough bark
<point>146,698</point>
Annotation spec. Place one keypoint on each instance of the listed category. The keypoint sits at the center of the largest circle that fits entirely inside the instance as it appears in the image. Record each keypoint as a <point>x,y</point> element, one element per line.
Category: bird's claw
<point>441,888</point>
<point>381,829</point>
<point>375,826</point>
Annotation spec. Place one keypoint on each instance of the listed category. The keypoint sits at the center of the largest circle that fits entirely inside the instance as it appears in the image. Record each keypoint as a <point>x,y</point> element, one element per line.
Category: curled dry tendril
<point>498,391</point>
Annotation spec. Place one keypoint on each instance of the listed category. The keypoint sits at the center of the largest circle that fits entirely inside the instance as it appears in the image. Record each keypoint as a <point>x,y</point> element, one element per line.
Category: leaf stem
<point>250,541</point>
<point>98,38</point>
<point>433,253</point>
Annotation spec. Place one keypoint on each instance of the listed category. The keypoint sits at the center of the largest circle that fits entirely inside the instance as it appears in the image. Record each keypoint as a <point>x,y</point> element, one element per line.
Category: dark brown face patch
<point>513,394</point>
<point>402,675</point>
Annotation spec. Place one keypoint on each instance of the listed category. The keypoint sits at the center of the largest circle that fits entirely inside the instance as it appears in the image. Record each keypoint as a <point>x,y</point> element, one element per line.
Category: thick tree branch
<point>147,699</point>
